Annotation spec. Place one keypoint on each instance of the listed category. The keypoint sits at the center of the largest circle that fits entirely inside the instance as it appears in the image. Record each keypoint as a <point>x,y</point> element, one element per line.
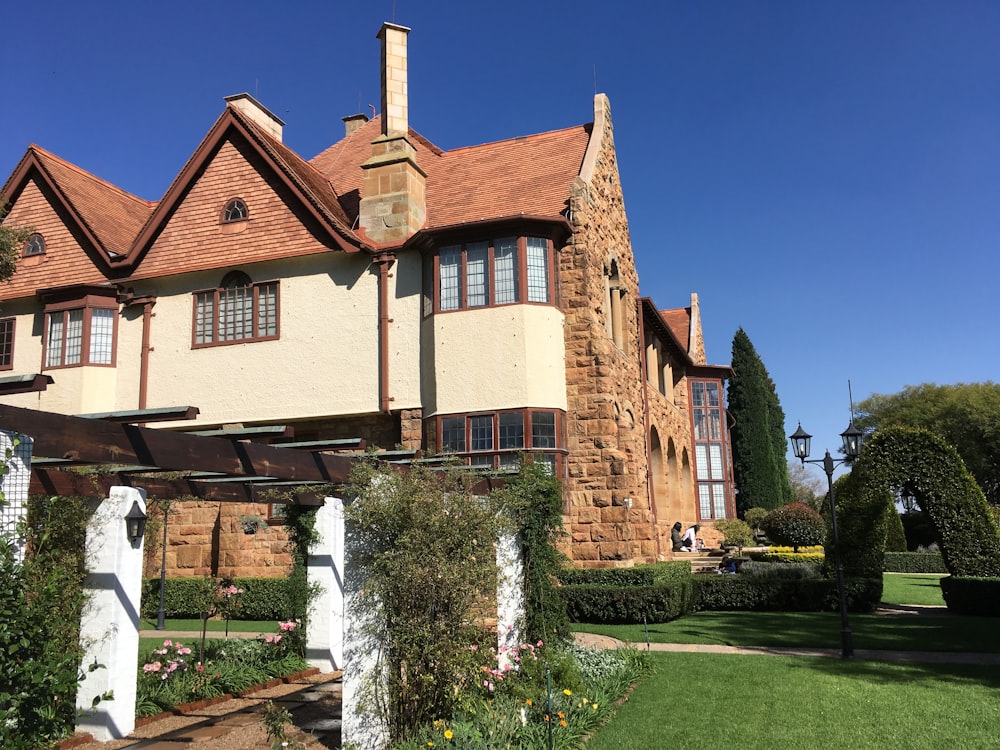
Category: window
<point>710,452</point>
<point>239,310</point>
<point>6,343</point>
<point>80,336</point>
<point>498,438</point>
<point>500,271</point>
<point>235,210</point>
<point>34,246</point>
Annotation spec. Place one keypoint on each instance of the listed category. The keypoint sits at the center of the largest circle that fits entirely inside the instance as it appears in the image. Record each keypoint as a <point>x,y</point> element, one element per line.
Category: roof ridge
<point>521,138</point>
<point>46,154</point>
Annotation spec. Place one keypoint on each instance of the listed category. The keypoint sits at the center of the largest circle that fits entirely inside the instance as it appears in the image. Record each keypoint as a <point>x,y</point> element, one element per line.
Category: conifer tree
<point>759,464</point>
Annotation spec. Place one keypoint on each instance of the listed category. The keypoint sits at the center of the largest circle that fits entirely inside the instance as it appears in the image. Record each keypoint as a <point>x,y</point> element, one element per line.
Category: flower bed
<point>171,675</point>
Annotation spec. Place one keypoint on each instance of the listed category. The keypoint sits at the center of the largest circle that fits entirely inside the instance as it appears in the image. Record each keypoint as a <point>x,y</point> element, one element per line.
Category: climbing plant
<point>945,491</point>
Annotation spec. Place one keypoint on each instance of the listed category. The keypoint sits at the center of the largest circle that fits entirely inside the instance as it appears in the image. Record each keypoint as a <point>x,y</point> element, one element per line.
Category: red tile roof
<point>679,321</point>
<point>113,216</point>
<point>530,175</point>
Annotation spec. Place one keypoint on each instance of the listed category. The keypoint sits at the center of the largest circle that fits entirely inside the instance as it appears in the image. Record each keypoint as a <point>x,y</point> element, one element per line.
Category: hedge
<point>815,558</point>
<point>748,593</point>
<point>914,562</point>
<point>972,595</point>
<point>263,598</point>
<point>651,574</point>
<point>621,605</point>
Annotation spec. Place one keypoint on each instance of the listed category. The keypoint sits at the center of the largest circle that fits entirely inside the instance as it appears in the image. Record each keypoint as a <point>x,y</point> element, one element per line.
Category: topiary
<point>796,525</point>
<point>754,516</point>
<point>736,533</point>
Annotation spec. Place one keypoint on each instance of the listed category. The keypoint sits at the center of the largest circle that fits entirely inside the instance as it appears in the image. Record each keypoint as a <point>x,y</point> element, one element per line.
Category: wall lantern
<point>135,523</point>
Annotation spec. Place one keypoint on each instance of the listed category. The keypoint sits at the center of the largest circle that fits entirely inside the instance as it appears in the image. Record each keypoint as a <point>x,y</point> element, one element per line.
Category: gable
<point>66,260</point>
<point>194,236</point>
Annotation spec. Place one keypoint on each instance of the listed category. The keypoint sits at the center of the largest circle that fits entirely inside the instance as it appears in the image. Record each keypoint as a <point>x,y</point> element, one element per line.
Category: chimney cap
<point>235,99</point>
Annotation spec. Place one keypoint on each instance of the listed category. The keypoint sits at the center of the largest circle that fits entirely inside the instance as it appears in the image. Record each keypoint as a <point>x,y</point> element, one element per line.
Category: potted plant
<point>252,524</point>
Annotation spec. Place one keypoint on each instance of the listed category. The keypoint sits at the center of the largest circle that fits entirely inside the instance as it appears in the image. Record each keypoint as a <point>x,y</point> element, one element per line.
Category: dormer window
<point>236,210</point>
<point>34,246</point>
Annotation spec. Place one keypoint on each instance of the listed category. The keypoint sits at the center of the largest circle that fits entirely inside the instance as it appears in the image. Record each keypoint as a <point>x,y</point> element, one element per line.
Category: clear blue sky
<point>824,174</point>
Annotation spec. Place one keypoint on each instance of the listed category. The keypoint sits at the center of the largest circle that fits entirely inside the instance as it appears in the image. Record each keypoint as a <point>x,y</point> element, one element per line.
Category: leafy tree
<point>736,533</point>
<point>807,487</point>
<point>965,415</point>
<point>794,525</point>
<point>11,240</point>
<point>759,463</point>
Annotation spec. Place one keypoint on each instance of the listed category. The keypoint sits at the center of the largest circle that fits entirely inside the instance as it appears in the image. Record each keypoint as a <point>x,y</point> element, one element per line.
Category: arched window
<point>239,310</point>
<point>235,210</point>
<point>35,245</point>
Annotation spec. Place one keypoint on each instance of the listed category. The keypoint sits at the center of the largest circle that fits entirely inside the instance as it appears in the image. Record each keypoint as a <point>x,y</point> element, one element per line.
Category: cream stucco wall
<point>494,358</point>
<point>404,331</point>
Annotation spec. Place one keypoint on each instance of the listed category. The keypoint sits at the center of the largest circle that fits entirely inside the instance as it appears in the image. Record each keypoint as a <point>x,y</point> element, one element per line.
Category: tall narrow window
<point>449,267</point>
<point>6,343</point>
<point>538,270</point>
<point>477,282</point>
<point>239,310</point>
<point>102,329</point>
<point>505,270</point>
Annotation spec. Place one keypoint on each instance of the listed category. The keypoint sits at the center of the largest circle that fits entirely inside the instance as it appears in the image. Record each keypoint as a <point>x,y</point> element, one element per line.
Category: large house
<point>481,302</point>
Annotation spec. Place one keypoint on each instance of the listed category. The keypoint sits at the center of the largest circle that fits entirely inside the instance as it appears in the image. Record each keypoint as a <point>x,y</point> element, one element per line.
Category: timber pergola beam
<point>102,443</point>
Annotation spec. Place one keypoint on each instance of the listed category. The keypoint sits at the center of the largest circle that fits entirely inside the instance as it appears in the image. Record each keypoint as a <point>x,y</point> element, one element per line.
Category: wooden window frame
<point>199,297</point>
<point>225,218</point>
<point>7,328</point>
<point>86,304</point>
<point>495,454</point>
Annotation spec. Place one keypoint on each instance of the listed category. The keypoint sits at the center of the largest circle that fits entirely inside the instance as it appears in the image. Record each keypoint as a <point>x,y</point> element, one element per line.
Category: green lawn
<point>801,702</point>
<point>214,626</point>
<point>912,588</point>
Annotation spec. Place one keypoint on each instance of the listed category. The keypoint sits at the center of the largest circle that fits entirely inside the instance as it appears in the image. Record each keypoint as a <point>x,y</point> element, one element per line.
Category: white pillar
<point>15,451</point>
<point>109,628</point>
<point>364,724</point>
<point>325,635</point>
<point>510,597</point>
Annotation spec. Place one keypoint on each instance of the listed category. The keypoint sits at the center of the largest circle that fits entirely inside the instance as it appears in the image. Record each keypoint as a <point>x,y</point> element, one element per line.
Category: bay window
<point>497,439</point>
<point>80,328</point>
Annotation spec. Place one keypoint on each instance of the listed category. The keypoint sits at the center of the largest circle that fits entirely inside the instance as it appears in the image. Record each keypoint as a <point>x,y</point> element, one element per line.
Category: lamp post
<point>852,438</point>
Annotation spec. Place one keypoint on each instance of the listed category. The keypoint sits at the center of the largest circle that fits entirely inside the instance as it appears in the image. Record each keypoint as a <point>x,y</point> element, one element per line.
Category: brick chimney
<point>393,202</point>
<point>257,113</point>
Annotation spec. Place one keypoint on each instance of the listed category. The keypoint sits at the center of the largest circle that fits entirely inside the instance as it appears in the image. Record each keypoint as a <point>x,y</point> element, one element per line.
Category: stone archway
<point>933,471</point>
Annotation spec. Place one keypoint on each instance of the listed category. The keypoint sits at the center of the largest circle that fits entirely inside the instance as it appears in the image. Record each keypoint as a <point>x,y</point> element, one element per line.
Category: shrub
<point>802,558</point>
<point>736,533</point>
<point>640,575</point>
<point>914,562</point>
<point>628,604</point>
<point>795,524</point>
<point>755,516</point>
<point>780,571</point>
<point>763,594</point>
<point>262,598</point>
<point>972,595</point>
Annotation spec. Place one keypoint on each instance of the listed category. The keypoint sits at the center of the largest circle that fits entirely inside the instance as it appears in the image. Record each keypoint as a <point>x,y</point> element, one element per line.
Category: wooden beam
<point>94,441</point>
<point>163,414</point>
<point>24,384</point>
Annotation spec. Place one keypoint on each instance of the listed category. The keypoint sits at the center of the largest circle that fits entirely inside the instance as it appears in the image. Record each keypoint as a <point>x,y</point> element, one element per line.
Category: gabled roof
<point>679,321</point>
<point>107,215</point>
<point>315,191</point>
<point>529,176</point>
<point>666,329</point>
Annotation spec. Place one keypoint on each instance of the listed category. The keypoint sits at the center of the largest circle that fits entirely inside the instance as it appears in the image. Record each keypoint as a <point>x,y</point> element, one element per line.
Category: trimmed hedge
<point>749,593</point>
<point>263,598</point>
<point>914,562</point>
<point>813,558</point>
<point>614,605</point>
<point>652,574</point>
<point>972,595</point>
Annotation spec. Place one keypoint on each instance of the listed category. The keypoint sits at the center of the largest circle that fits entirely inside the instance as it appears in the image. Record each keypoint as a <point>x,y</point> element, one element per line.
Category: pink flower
<point>277,639</point>
<point>154,667</point>
<point>200,667</point>
<point>184,651</point>
<point>269,638</point>
<point>168,643</point>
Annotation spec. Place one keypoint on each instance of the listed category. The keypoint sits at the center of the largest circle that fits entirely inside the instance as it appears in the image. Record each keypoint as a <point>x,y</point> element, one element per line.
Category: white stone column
<point>510,597</point>
<point>109,628</point>
<point>325,635</point>
<point>364,722</point>
<point>15,450</point>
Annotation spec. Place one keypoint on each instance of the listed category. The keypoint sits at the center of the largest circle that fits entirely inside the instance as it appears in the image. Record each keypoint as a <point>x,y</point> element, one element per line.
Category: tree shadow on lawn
<point>908,632</point>
<point>910,673</point>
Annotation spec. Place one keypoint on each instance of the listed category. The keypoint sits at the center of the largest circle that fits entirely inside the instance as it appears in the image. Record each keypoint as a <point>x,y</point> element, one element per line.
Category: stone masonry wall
<point>606,464</point>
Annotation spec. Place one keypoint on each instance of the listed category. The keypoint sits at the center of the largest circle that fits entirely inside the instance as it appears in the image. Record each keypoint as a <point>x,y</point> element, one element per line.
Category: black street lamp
<point>852,438</point>
<point>135,524</point>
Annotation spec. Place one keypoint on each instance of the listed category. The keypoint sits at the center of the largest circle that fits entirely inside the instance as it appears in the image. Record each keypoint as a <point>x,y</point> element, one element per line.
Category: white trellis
<point>16,452</point>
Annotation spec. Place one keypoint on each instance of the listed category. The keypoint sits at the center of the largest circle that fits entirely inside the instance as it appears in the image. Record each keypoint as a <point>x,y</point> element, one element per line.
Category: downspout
<point>644,378</point>
<point>129,299</point>
<point>384,261</point>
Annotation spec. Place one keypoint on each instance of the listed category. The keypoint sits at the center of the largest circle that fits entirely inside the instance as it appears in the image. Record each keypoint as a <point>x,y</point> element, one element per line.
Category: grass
<point>800,702</point>
<point>912,588</point>
<point>214,626</point>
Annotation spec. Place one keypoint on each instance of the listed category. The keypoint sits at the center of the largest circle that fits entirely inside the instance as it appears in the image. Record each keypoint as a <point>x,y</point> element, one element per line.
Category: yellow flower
<point>561,715</point>
<point>448,734</point>
<point>567,691</point>
<point>562,722</point>
<point>527,702</point>
<point>595,706</point>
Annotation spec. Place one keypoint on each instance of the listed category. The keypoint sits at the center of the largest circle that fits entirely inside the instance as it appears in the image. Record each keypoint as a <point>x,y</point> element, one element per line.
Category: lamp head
<point>800,443</point>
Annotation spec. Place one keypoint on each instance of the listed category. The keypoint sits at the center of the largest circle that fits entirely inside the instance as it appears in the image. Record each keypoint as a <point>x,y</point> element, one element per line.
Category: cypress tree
<point>759,465</point>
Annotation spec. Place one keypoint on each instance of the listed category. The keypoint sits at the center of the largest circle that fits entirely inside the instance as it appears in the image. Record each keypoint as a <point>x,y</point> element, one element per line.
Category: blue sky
<point>823,174</point>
